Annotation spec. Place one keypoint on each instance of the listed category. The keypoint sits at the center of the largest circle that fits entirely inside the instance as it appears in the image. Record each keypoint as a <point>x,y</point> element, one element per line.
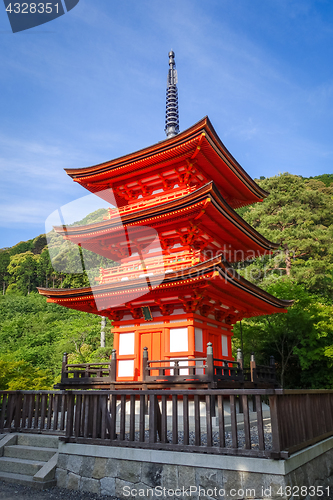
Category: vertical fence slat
<point>275,423</point>
<point>113,429</point>
<point>10,410</point>
<point>164,421</point>
<point>70,402</point>
<point>77,415</point>
<point>152,418</point>
<point>328,414</point>
<point>4,409</point>
<point>83,413</point>
<point>186,423</point>
<point>103,408</point>
<point>209,420</point>
<point>260,423</point>
<point>308,411</point>
<point>43,411</point>
<point>233,419</point>
<point>63,409</point>
<point>197,438</point>
<point>36,413</point>
<point>122,417</point>
<point>49,412</point>
<point>86,427</point>
<point>247,431</point>
<point>142,418</point>
<point>132,418</point>
<point>31,404</point>
<point>174,419</point>
<point>220,409</point>
<point>24,411</point>
<point>55,412</point>
<point>95,413</point>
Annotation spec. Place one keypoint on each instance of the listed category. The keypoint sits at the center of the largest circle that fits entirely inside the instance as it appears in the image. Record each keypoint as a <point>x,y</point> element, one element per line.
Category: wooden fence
<point>180,420</point>
<point>185,372</point>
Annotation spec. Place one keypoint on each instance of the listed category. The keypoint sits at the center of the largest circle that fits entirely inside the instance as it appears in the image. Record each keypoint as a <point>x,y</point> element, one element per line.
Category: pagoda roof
<point>198,147</point>
<point>215,279</point>
<point>202,210</point>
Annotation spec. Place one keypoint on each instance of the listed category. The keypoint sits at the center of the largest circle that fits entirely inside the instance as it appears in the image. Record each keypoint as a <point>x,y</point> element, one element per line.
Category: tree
<point>298,215</point>
<point>22,269</point>
<point>39,333</point>
<point>22,247</point>
<point>44,268</point>
<point>4,262</point>
<point>20,375</point>
<point>38,244</point>
<point>301,340</point>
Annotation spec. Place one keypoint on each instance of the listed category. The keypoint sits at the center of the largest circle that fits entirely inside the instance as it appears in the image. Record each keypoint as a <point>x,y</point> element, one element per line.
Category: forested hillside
<point>298,215</point>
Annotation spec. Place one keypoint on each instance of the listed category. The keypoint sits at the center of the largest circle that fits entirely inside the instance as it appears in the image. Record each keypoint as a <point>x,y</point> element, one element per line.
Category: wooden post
<point>276,435</point>
<point>64,375</point>
<point>210,374</point>
<point>253,367</point>
<point>152,418</point>
<point>253,378</point>
<point>240,358</point>
<point>145,373</point>
<point>103,325</point>
<point>144,363</point>
<point>240,375</point>
<point>240,366</point>
<point>210,363</point>
<point>113,367</point>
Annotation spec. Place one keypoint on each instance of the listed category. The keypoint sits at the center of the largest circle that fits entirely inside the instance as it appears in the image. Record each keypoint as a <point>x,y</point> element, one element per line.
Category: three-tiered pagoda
<point>174,233</point>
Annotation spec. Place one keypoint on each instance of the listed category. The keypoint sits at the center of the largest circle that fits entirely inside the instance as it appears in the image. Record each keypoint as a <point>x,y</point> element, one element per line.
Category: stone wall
<point>129,473</point>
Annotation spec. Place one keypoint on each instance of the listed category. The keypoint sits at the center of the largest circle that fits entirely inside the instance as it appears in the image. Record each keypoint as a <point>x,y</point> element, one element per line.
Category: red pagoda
<point>174,233</point>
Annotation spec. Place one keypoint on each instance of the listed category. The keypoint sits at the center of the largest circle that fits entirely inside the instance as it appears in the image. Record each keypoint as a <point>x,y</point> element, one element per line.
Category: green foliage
<point>96,216</point>
<point>20,375</point>
<point>39,333</point>
<point>327,179</point>
<point>4,263</point>
<point>298,215</point>
<point>301,340</point>
<point>22,268</point>
<point>39,243</point>
<point>22,247</point>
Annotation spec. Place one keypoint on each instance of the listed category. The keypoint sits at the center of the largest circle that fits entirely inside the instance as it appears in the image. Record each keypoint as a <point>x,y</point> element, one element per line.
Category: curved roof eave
<point>167,207</point>
<point>202,126</point>
<point>217,263</point>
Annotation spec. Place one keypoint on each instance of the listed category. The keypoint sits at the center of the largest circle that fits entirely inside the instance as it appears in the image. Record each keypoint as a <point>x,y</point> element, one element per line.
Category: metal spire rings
<point>172,115</point>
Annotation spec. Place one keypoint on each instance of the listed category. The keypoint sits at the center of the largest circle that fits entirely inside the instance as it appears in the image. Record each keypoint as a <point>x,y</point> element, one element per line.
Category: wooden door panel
<point>152,340</point>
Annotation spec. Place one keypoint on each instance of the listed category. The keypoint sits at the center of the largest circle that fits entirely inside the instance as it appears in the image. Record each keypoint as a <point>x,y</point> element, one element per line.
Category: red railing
<point>189,371</point>
<point>149,201</point>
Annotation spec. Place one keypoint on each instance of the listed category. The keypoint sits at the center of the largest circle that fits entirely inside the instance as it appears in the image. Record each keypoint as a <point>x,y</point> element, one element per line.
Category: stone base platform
<point>142,473</point>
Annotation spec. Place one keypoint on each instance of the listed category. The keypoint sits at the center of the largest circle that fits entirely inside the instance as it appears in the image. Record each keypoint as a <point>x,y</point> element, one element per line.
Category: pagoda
<point>175,234</point>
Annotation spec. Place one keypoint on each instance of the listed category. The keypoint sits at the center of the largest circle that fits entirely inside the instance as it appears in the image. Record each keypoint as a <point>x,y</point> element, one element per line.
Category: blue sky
<point>90,86</point>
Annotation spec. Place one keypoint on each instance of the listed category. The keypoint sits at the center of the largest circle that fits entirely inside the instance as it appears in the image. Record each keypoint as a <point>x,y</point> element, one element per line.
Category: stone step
<point>39,453</point>
<point>39,440</point>
<point>20,466</point>
<point>10,477</point>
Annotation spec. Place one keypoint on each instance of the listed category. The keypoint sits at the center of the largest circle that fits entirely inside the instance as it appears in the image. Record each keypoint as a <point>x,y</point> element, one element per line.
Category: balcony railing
<point>154,266</point>
<point>189,371</point>
<point>152,200</point>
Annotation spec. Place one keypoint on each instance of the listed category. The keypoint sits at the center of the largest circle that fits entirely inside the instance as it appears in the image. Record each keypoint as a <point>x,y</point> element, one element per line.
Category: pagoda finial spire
<point>172,115</point>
